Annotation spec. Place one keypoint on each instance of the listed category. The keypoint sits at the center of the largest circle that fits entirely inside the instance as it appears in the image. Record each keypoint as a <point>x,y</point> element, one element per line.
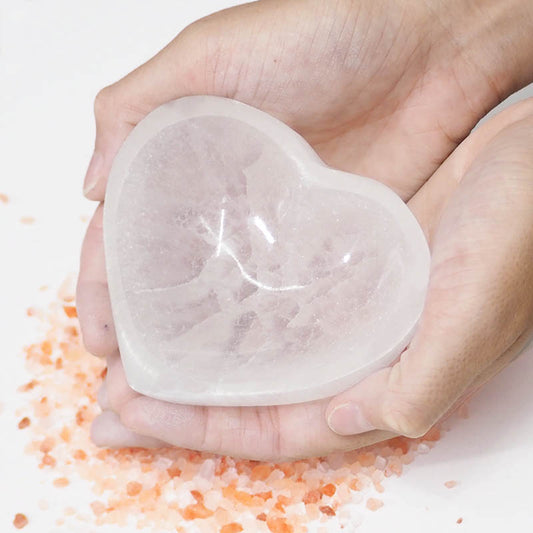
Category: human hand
<point>334,121</point>
<point>477,212</point>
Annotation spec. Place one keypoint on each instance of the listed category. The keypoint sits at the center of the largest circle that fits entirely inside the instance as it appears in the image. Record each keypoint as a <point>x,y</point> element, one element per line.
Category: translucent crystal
<point>243,270</point>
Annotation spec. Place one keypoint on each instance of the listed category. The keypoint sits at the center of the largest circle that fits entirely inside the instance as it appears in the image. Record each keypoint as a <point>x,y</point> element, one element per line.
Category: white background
<point>54,56</point>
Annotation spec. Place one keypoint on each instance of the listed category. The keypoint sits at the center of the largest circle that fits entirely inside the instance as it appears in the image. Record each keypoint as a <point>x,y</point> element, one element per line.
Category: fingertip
<point>92,294</point>
<point>95,191</point>
<point>108,431</point>
<point>93,177</point>
<point>96,323</point>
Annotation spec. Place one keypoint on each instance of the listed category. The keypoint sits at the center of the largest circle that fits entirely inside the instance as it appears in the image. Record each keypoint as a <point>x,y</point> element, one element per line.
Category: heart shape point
<point>244,271</point>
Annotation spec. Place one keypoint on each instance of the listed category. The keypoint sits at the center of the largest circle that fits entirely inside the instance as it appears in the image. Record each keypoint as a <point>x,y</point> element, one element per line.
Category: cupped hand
<point>366,88</point>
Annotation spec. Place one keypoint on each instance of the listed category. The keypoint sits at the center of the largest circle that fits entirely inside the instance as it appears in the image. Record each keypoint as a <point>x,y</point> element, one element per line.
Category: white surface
<point>55,55</point>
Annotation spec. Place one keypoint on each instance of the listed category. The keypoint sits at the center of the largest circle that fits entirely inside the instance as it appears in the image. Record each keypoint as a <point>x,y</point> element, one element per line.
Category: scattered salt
<point>160,488</point>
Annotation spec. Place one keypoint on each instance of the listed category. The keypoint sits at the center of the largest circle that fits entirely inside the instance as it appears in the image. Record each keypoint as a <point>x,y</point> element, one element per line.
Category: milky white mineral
<point>243,270</point>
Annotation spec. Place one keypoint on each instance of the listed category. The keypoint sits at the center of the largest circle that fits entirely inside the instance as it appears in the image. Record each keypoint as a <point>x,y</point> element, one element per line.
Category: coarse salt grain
<point>374,504</point>
<point>450,484</point>
<point>173,485</point>
<point>61,482</point>
<point>20,521</point>
<point>233,527</point>
<point>133,488</point>
<point>24,423</point>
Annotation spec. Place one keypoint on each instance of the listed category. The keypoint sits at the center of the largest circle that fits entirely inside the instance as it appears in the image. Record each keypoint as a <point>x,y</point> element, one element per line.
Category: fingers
<point>479,303</point>
<point>117,391</point>
<point>266,433</point>
<point>174,72</point>
<point>92,295</point>
<point>263,433</point>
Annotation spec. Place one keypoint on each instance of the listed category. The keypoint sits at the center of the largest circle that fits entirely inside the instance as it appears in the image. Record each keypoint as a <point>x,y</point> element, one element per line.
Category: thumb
<point>176,71</point>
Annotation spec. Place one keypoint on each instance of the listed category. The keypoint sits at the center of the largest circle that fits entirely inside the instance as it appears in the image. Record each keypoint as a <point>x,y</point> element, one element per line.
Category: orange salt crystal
<point>196,510</point>
<point>240,496</point>
<point>72,331</point>
<point>459,520</point>
<point>4,198</point>
<point>197,495</point>
<point>48,460</point>
<point>65,434</point>
<point>47,445</point>
<point>133,488</point>
<point>284,500</point>
<point>45,359</point>
<point>374,504</point>
<point>46,347</point>
<point>313,496</point>
<point>327,510</point>
<point>173,471</point>
<point>450,484</point>
<point>379,487</point>
<point>70,311</point>
<point>20,521</point>
<point>24,423</point>
<point>59,363</point>
<point>260,472</point>
<point>233,527</point>
<point>81,415</point>
<point>27,220</point>
<point>28,386</point>
<point>356,484</point>
<point>79,455</point>
<point>329,489</point>
<point>279,506</point>
<point>432,435</point>
<point>264,495</point>
<point>366,459</point>
<point>61,482</point>
<point>278,525</point>
<point>394,467</point>
<point>399,442</point>
<point>287,469</point>
<point>98,508</point>
<point>262,517</point>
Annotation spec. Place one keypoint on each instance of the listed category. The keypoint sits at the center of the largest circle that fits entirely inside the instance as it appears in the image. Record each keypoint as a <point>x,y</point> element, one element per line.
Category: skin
<point>378,89</point>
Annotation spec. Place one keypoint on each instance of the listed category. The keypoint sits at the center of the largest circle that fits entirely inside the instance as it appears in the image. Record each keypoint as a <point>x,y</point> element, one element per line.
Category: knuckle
<point>105,101</point>
<point>407,417</point>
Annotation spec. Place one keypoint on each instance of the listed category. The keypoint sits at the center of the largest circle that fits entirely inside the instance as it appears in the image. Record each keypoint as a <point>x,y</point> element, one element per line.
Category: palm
<point>382,111</point>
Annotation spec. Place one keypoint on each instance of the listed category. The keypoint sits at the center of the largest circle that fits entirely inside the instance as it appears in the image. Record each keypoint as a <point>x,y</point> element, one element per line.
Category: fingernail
<point>347,419</point>
<point>93,173</point>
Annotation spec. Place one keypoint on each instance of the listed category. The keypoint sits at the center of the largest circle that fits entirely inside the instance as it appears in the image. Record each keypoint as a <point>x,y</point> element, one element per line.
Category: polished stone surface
<point>243,271</point>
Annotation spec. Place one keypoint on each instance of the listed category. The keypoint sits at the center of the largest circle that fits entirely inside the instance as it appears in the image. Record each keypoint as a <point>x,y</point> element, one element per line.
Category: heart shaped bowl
<point>244,271</point>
